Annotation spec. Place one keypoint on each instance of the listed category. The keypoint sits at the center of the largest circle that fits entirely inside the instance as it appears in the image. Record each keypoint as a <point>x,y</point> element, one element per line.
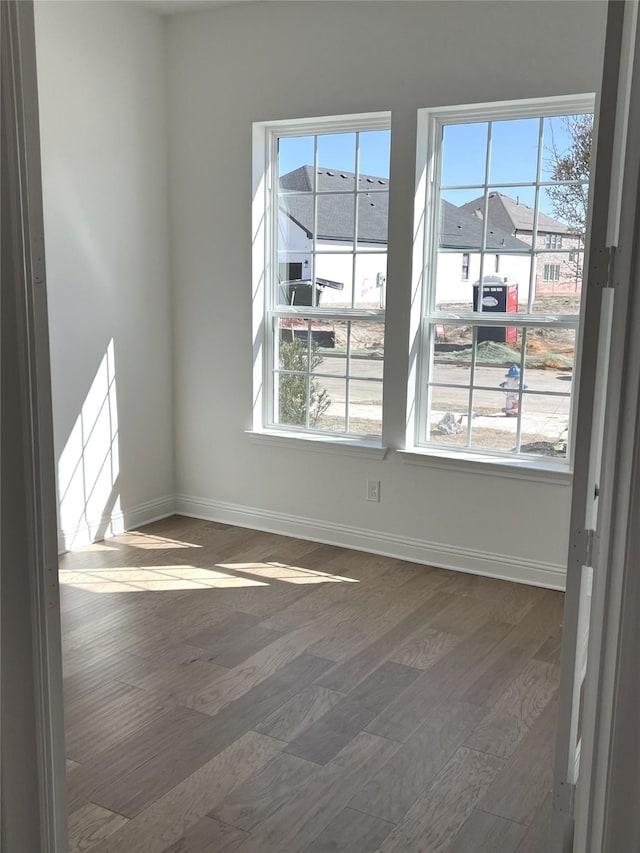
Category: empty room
<point>316,282</point>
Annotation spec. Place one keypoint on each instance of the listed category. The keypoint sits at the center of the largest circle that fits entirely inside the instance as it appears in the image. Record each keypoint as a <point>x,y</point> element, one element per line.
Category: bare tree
<point>569,203</point>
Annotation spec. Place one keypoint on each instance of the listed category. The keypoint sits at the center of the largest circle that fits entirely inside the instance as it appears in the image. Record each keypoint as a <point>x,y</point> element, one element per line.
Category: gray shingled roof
<point>460,229</point>
<point>335,212</point>
<point>513,216</point>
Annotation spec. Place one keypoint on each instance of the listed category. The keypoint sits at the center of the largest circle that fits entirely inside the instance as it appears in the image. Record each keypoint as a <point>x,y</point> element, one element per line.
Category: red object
<point>496,297</point>
<point>512,306</point>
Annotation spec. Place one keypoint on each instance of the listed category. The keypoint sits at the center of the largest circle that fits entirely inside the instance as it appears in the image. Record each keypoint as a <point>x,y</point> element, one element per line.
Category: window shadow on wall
<point>89,466</point>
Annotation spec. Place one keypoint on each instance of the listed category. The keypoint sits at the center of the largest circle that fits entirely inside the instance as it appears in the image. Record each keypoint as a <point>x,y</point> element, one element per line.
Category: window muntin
<point>328,204</point>
<point>494,374</point>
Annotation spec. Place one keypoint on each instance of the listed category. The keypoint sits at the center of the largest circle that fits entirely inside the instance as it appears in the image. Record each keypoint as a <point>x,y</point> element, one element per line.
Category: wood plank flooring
<point>230,691</point>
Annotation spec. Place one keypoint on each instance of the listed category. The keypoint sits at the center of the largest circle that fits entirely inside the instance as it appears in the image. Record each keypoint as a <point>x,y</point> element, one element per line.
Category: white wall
<point>234,65</point>
<point>450,287</point>
<point>101,73</point>
<point>336,264</point>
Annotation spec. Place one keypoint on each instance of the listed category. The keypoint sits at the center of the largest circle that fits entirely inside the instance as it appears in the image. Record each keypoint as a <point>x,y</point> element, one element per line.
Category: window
<point>501,384</point>
<point>553,241</point>
<point>320,275</point>
<point>465,266</point>
<point>552,271</point>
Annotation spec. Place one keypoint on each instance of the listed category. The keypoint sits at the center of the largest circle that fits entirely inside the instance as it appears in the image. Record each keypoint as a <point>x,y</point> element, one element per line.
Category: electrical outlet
<point>373,490</point>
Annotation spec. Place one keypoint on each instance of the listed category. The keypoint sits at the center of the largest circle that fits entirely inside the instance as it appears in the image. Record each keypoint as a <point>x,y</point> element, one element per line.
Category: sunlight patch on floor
<point>163,578</point>
<point>150,542</point>
<point>288,574</point>
<point>132,578</point>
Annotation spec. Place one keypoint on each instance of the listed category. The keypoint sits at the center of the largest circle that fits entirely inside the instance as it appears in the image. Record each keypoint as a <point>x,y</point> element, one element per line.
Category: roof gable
<point>512,215</point>
<point>461,229</point>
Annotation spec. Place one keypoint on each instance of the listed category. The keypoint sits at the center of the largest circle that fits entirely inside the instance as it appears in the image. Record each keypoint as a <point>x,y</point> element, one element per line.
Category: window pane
<point>447,423</point>
<point>336,154</point>
<point>375,153</point>
<point>464,154</point>
<point>291,392</point>
<point>323,337</point>
<point>295,152</point>
<point>510,210</point>
<point>331,361</point>
<point>335,222</point>
<point>452,354</point>
<point>566,204</point>
<point>549,361</point>
<point>495,432</point>
<point>365,407</point>
<point>373,219</point>
<point>370,281</point>
<point>334,278</point>
<point>294,268</point>
<point>460,223</point>
<point>366,366</point>
<point>545,422</point>
<point>567,147</point>
<point>329,399</point>
<point>455,274</point>
<point>514,151</point>
<point>366,349</point>
<point>291,335</point>
<point>558,283</point>
<point>295,223</point>
<point>495,412</point>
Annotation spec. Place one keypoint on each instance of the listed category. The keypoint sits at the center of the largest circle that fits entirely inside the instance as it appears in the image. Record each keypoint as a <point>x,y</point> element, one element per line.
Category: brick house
<point>559,258</point>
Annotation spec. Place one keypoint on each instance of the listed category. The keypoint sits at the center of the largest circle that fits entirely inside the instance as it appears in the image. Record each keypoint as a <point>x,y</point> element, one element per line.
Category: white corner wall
<point>234,65</point>
<point>101,76</point>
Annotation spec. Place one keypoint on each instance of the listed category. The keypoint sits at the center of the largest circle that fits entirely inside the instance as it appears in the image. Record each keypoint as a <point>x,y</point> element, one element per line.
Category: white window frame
<point>551,272</point>
<point>553,241</point>
<point>265,308</point>
<point>424,313</point>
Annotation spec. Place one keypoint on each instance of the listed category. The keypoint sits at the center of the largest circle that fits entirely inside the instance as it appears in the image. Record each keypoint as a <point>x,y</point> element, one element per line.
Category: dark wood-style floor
<point>230,690</point>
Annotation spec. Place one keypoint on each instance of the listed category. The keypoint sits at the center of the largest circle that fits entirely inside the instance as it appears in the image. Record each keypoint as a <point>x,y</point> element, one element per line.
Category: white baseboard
<point>94,530</point>
<point>475,562</point>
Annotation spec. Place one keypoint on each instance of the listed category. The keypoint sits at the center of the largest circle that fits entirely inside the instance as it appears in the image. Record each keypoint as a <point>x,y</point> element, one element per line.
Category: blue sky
<point>338,151</point>
<point>513,160</point>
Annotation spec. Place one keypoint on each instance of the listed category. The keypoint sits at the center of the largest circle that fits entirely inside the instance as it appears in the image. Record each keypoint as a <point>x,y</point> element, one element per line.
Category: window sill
<point>318,443</point>
<point>545,472</point>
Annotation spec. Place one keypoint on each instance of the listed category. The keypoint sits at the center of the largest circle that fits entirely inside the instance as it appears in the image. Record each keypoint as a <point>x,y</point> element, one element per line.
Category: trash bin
<point>500,296</point>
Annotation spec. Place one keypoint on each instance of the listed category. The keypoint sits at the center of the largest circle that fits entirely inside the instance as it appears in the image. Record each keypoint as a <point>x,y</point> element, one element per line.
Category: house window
<point>483,182</point>
<point>465,266</point>
<point>551,272</point>
<point>553,241</point>
<point>320,274</point>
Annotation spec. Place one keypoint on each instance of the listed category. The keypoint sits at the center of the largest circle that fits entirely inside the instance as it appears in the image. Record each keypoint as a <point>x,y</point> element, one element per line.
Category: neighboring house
<point>559,268</point>
<point>460,237</point>
<point>459,258</point>
<point>334,232</point>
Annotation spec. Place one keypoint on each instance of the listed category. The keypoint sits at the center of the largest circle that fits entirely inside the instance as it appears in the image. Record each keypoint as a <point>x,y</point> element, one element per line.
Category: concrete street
<point>544,416</point>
